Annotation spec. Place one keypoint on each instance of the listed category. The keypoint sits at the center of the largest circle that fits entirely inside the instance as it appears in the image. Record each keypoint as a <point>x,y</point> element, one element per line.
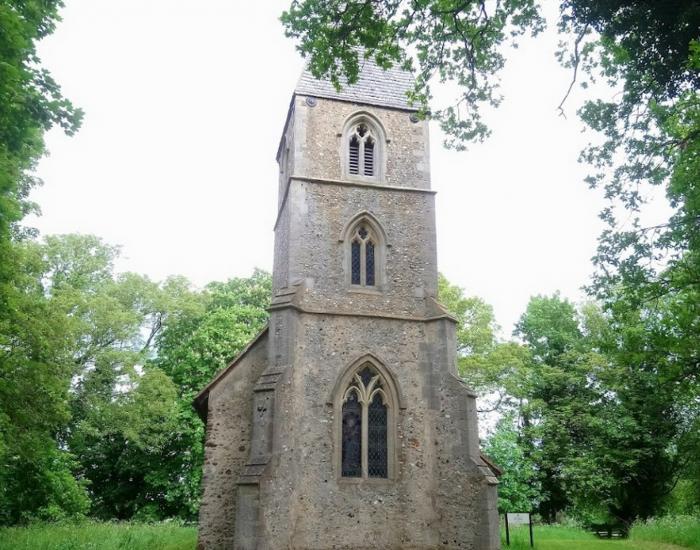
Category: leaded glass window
<point>376,437</point>
<point>365,426</point>
<point>362,256</point>
<point>356,262</point>
<point>352,436</point>
<point>369,263</point>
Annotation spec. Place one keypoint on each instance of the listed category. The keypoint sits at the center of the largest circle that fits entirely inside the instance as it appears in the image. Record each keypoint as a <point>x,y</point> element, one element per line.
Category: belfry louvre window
<point>362,256</point>
<point>365,426</point>
<point>362,150</point>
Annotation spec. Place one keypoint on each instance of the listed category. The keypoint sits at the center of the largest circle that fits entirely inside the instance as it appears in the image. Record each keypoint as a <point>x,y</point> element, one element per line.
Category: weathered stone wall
<point>285,157</point>
<point>320,212</point>
<point>434,500</point>
<point>313,213</point>
<point>280,273</point>
<point>227,447</point>
<point>319,146</point>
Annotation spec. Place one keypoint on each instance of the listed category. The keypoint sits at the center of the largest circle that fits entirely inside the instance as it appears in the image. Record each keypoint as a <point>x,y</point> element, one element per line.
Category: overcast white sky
<point>184,105</point>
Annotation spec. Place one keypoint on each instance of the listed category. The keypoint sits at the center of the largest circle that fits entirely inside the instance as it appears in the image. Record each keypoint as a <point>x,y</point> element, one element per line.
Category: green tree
<point>518,488</point>
<point>657,398</point>
<point>570,418</point>
<point>35,475</point>
<point>606,421</point>
<point>457,42</point>
<point>125,412</point>
<point>121,358</point>
<point>476,323</point>
<point>550,330</point>
<point>122,442</point>
<point>497,370</point>
<point>193,347</point>
<point>30,103</point>
<point>83,408</point>
<point>107,321</point>
<point>646,276</point>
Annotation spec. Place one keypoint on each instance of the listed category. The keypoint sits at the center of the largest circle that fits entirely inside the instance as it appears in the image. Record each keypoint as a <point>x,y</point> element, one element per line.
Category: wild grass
<point>99,536</point>
<point>680,530</point>
<point>556,537</point>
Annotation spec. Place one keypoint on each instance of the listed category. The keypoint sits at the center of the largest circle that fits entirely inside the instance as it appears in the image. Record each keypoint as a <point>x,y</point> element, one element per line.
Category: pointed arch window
<point>362,256</point>
<point>365,422</point>
<point>363,147</point>
<point>366,251</point>
<point>361,150</point>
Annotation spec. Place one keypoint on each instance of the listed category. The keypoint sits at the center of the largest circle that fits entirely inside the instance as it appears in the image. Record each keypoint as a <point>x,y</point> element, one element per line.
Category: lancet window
<point>365,425</point>
<point>363,256</point>
<point>363,148</point>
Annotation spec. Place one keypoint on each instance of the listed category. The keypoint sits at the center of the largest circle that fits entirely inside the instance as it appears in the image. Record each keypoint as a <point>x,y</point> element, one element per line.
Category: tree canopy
<point>598,403</point>
<point>607,398</point>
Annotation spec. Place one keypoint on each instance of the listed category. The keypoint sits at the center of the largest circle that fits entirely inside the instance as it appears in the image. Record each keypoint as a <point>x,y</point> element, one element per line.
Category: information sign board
<point>519,519</point>
<point>523,518</point>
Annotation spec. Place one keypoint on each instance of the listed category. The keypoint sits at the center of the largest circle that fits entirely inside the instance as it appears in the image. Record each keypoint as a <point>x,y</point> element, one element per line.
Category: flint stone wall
<point>310,247</point>
<point>440,497</point>
<point>318,142</point>
<point>227,447</point>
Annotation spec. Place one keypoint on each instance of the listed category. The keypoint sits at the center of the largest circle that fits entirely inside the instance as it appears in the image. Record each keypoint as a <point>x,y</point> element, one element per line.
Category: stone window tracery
<point>362,256</point>
<point>365,418</point>
<point>366,253</point>
<point>363,148</point>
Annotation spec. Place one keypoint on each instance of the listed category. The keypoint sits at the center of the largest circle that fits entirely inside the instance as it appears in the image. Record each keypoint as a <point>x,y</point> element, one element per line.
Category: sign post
<point>518,519</point>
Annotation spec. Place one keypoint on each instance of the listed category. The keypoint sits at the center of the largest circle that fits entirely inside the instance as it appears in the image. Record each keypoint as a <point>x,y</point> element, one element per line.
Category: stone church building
<point>343,424</point>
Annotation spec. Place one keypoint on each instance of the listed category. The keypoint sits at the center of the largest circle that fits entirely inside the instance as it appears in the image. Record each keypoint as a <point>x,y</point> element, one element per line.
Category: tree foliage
<point>607,400</point>
<point>98,383</point>
<point>518,487</point>
<point>30,103</point>
<point>192,348</point>
<point>496,369</point>
<point>35,475</point>
<point>456,42</point>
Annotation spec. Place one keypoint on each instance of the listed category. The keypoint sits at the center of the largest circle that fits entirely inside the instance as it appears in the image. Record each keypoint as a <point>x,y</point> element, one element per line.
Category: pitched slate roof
<point>374,86</point>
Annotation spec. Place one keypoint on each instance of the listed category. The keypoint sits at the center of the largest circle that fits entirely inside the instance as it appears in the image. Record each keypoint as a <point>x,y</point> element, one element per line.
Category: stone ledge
<point>388,316</point>
<point>345,183</point>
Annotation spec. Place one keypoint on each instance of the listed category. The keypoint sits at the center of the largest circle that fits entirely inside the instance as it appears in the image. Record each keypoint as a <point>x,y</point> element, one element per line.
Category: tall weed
<point>681,530</point>
<point>91,535</point>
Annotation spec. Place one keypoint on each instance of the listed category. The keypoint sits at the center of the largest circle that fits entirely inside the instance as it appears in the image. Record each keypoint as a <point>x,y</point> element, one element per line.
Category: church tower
<point>344,424</point>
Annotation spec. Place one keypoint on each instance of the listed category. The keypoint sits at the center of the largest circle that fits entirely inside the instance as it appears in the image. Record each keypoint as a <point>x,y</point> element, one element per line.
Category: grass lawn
<point>99,536</point>
<point>170,536</point>
<point>566,538</point>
